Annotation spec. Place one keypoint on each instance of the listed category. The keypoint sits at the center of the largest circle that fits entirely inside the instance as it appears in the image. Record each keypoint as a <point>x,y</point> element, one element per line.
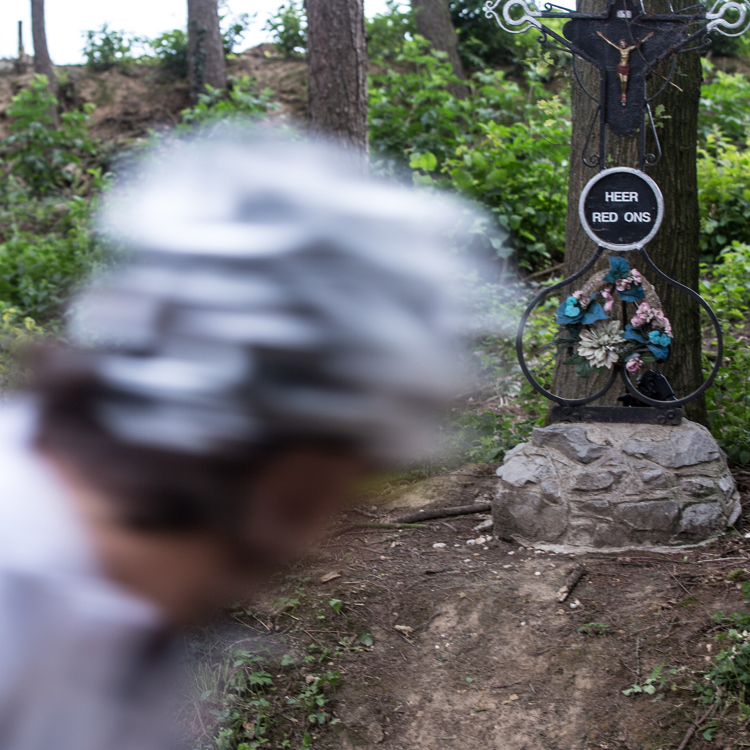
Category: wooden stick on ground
<point>570,583</point>
<point>461,510</point>
<point>694,728</point>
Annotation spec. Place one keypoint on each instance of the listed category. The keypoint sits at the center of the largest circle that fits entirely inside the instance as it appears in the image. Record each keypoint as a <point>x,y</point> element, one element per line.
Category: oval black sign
<point>621,208</point>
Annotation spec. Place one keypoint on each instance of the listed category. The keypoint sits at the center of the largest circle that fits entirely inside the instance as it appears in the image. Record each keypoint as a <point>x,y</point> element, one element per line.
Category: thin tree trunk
<point>434,23</point>
<point>337,63</point>
<point>20,63</point>
<point>675,248</point>
<point>42,62</point>
<point>206,63</point>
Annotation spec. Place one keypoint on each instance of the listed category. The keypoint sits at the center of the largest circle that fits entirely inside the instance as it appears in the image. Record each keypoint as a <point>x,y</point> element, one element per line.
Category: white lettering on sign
<point>638,216</point>
<point>624,14</point>
<point>604,217</point>
<point>621,197</point>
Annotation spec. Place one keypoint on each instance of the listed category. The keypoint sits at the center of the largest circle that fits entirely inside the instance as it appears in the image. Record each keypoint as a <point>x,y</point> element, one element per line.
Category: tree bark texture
<point>675,248</point>
<point>337,64</point>
<point>206,63</point>
<point>42,61</point>
<point>434,23</point>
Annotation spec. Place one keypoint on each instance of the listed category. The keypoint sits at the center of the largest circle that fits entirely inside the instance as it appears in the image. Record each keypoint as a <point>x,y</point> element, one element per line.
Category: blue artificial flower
<point>659,338</point>
<point>619,268</point>
<point>571,307</point>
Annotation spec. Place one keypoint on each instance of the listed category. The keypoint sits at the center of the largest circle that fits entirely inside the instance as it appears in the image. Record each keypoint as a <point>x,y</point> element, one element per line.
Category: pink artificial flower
<point>623,284</point>
<point>609,299</point>
<point>635,273</point>
<point>637,320</point>
<point>582,301</point>
<point>634,364</point>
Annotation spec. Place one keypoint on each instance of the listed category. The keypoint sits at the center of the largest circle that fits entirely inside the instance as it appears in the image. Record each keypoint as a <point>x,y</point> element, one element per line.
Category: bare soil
<point>132,100</point>
<point>493,659</point>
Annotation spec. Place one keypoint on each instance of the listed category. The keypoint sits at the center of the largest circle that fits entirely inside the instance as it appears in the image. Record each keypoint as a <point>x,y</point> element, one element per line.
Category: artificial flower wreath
<point>595,342</point>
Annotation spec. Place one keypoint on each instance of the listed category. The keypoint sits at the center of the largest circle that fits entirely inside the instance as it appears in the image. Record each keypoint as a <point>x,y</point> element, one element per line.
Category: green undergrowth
<point>279,690</point>
<point>726,286</point>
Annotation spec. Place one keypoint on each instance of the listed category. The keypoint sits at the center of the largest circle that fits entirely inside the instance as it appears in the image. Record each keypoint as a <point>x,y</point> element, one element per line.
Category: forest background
<point>495,129</point>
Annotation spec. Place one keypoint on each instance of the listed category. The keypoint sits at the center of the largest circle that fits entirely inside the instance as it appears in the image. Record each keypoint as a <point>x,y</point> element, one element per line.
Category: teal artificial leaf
<point>618,269</point>
<point>594,313</point>
<point>634,334</point>
<point>632,294</point>
<point>660,352</point>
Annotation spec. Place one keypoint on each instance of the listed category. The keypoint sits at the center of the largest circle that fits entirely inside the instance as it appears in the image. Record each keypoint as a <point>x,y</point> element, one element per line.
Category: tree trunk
<point>674,249</point>
<point>337,63</point>
<point>42,62</point>
<point>434,23</point>
<point>20,63</point>
<point>206,63</point>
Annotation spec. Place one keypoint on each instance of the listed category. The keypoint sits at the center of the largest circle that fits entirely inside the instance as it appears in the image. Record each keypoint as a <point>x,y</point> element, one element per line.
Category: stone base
<point>615,486</point>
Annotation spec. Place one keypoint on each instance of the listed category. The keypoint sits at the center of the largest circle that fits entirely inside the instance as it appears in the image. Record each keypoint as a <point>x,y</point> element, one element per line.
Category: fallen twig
<point>694,727</point>
<point>543,272</point>
<point>461,510</point>
<point>376,527</point>
<point>570,583</point>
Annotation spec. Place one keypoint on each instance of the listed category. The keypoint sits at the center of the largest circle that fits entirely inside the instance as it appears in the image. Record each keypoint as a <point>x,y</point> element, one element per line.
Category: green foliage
<point>657,680</point>
<point>46,249</point>
<point>46,185</point>
<point>387,32</point>
<point>171,49</point>
<point>482,43</point>
<point>724,105</point>
<point>730,670</point>
<point>723,194</point>
<point>594,628</point>
<point>105,48</point>
<point>289,29</point>
<point>239,102</point>
<point>43,157</point>
<point>233,27</point>
<point>520,172</point>
<point>242,707</point>
<point>503,146</point>
<point>726,286</point>
<point>16,334</point>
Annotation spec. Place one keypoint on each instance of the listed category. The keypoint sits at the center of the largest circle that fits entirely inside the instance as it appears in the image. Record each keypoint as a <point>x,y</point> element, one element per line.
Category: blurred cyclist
<point>277,325</point>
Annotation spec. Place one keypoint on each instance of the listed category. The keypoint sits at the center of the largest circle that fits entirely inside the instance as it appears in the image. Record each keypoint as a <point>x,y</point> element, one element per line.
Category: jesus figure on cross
<point>623,69</point>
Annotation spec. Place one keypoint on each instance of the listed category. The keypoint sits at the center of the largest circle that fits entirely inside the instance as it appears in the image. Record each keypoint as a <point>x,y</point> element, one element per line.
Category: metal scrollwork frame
<point>715,19</point>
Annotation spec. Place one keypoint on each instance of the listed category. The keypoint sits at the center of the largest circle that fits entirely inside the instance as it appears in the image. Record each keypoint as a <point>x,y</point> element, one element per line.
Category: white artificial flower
<point>601,343</point>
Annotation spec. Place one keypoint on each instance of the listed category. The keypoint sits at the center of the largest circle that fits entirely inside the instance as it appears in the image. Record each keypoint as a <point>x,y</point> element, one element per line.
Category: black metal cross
<point>627,43</point>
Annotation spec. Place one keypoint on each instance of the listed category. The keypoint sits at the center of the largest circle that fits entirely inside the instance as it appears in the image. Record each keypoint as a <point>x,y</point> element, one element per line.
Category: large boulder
<point>615,486</point>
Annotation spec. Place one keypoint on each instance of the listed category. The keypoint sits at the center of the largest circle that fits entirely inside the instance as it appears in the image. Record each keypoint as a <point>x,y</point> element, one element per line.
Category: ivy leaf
<point>584,369</point>
<point>427,162</point>
<point>575,359</point>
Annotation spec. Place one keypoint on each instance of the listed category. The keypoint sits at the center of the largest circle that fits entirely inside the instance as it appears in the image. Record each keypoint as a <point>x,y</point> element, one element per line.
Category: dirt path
<point>486,657</point>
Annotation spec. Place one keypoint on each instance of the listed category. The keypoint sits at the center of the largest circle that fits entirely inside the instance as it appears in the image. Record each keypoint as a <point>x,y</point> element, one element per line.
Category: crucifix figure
<point>623,69</point>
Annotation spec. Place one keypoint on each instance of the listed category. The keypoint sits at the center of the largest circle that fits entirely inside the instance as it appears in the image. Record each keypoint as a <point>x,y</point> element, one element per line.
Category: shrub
<point>240,101</point>
<point>233,28</point>
<point>106,48</point>
<point>47,159</point>
<point>726,286</point>
<point>289,29</point>
<point>724,106</point>
<point>171,49</point>
<point>723,194</point>
<point>387,32</point>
